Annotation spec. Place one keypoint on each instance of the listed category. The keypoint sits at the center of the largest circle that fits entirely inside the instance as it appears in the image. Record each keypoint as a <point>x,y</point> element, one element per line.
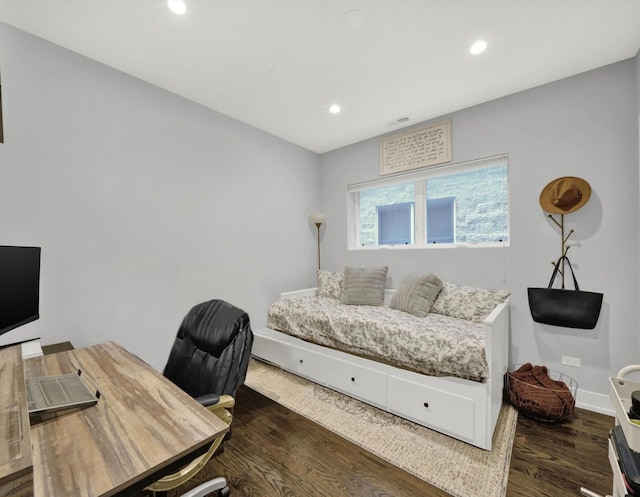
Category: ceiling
<point>278,65</point>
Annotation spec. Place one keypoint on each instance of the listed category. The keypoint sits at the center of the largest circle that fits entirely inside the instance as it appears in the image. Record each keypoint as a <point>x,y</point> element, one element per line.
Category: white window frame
<point>419,177</point>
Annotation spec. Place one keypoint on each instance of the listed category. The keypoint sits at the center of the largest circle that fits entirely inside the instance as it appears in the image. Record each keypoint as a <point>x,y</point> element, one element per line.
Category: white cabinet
<point>620,390</point>
<point>618,480</point>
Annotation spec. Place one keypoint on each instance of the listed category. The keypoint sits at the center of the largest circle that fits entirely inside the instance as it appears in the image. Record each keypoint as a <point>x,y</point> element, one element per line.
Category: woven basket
<point>546,395</point>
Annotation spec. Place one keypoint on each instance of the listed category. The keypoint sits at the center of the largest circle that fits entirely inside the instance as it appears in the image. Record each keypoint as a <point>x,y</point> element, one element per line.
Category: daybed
<point>438,361</point>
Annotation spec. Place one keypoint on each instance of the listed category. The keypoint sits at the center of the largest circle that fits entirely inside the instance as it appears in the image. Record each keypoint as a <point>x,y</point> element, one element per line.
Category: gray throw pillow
<point>416,294</point>
<point>363,285</point>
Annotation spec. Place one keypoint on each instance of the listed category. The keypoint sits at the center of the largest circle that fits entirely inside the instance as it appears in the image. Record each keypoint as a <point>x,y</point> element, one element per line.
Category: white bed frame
<point>463,409</point>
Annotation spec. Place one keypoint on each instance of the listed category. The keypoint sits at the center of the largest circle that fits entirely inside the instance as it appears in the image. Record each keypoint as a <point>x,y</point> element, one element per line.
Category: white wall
<point>144,203</point>
<point>583,126</point>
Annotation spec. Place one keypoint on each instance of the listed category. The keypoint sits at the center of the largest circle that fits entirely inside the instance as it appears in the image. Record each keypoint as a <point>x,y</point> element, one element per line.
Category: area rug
<point>453,466</point>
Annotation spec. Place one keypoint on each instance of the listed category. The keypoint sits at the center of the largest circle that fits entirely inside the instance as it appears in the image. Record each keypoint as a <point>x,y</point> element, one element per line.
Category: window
<point>441,220</point>
<point>395,224</point>
<point>373,200</point>
<point>465,203</point>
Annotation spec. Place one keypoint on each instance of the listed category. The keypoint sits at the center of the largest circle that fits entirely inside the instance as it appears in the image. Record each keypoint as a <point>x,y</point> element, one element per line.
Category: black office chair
<point>209,361</point>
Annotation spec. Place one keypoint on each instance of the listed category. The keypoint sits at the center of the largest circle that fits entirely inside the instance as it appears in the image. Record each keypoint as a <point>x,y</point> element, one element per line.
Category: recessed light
<point>478,47</point>
<point>334,109</point>
<point>353,19</point>
<point>177,6</point>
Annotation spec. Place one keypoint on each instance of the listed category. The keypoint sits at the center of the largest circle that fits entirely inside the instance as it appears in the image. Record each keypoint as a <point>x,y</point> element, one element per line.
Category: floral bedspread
<point>436,345</point>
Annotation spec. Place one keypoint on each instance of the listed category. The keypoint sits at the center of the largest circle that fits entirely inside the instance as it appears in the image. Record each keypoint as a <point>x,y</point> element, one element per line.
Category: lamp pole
<point>318,226</point>
<point>318,218</point>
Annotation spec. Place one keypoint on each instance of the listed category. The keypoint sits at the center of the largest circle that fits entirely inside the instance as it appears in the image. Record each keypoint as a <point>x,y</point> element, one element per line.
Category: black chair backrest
<point>211,352</point>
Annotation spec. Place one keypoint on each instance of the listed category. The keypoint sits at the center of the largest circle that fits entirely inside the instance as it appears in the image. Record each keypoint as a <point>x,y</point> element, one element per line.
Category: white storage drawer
<point>296,359</point>
<point>306,363</point>
<point>619,488</point>
<point>432,407</point>
<point>356,380</point>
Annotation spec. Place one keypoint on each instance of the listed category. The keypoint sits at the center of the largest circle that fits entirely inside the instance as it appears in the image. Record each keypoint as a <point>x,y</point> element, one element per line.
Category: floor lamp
<point>318,218</point>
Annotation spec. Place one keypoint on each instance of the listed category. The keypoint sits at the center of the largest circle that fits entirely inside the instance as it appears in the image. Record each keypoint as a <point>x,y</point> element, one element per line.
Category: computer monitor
<point>19,286</point>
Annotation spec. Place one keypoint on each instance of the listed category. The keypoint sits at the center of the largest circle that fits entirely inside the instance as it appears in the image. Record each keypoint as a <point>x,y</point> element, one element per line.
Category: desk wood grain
<point>141,424</point>
<point>16,467</point>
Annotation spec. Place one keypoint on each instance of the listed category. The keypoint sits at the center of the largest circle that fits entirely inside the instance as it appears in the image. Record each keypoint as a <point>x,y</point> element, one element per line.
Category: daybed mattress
<point>436,345</point>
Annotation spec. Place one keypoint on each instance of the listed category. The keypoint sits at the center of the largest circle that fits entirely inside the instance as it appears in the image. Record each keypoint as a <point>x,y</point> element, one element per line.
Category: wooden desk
<point>16,461</point>
<point>142,426</point>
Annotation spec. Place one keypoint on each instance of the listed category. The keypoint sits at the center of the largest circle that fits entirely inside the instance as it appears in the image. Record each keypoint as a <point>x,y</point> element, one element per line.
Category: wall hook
<point>563,239</point>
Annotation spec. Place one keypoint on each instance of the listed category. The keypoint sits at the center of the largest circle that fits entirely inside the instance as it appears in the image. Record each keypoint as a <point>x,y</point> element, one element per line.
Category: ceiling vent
<point>395,122</point>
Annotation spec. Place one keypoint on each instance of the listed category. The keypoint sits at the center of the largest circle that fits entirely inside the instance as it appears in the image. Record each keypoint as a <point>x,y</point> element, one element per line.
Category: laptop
<point>54,393</point>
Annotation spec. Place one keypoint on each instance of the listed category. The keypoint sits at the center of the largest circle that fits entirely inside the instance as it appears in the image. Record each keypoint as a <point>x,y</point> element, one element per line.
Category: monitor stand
<point>31,348</point>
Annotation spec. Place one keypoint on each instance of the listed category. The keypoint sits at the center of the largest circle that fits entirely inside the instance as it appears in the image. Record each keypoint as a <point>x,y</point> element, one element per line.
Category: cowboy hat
<point>564,195</point>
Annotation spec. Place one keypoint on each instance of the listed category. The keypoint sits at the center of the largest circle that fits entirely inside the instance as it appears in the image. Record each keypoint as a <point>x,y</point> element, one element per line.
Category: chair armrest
<point>214,401</point>
<point>209,399</point>
<point>223,408</point>
<point>225,402</point>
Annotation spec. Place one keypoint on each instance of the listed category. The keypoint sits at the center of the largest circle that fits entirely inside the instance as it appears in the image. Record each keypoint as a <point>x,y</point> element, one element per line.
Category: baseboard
<point>595,402</point>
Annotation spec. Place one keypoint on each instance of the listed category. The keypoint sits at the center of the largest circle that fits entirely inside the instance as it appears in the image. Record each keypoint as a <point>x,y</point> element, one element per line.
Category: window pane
<point>370,200</point>
<point>481,203</point>
<point>395,224</point>
<point>441,220</point>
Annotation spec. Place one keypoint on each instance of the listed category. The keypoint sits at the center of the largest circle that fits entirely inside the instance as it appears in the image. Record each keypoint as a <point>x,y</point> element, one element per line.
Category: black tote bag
<point>563,307</point>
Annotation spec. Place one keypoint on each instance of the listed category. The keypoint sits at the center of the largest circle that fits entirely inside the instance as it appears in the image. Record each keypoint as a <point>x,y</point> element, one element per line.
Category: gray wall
<point>144,203</point>
<point>584,126</point>
<point>637,60</point>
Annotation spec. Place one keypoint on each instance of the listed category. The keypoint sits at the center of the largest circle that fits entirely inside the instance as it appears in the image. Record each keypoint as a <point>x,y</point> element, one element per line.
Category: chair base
<point>206,488</point>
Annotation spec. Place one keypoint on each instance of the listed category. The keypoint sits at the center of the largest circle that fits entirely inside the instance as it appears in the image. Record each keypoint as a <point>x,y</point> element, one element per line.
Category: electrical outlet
<point>571,361</point>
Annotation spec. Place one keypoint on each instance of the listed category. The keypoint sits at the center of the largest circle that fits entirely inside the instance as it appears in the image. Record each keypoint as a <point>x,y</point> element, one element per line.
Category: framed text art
<point>427,146</point>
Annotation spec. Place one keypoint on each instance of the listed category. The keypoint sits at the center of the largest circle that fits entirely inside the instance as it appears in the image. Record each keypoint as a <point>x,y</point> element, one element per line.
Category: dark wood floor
<point>274,452</point>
